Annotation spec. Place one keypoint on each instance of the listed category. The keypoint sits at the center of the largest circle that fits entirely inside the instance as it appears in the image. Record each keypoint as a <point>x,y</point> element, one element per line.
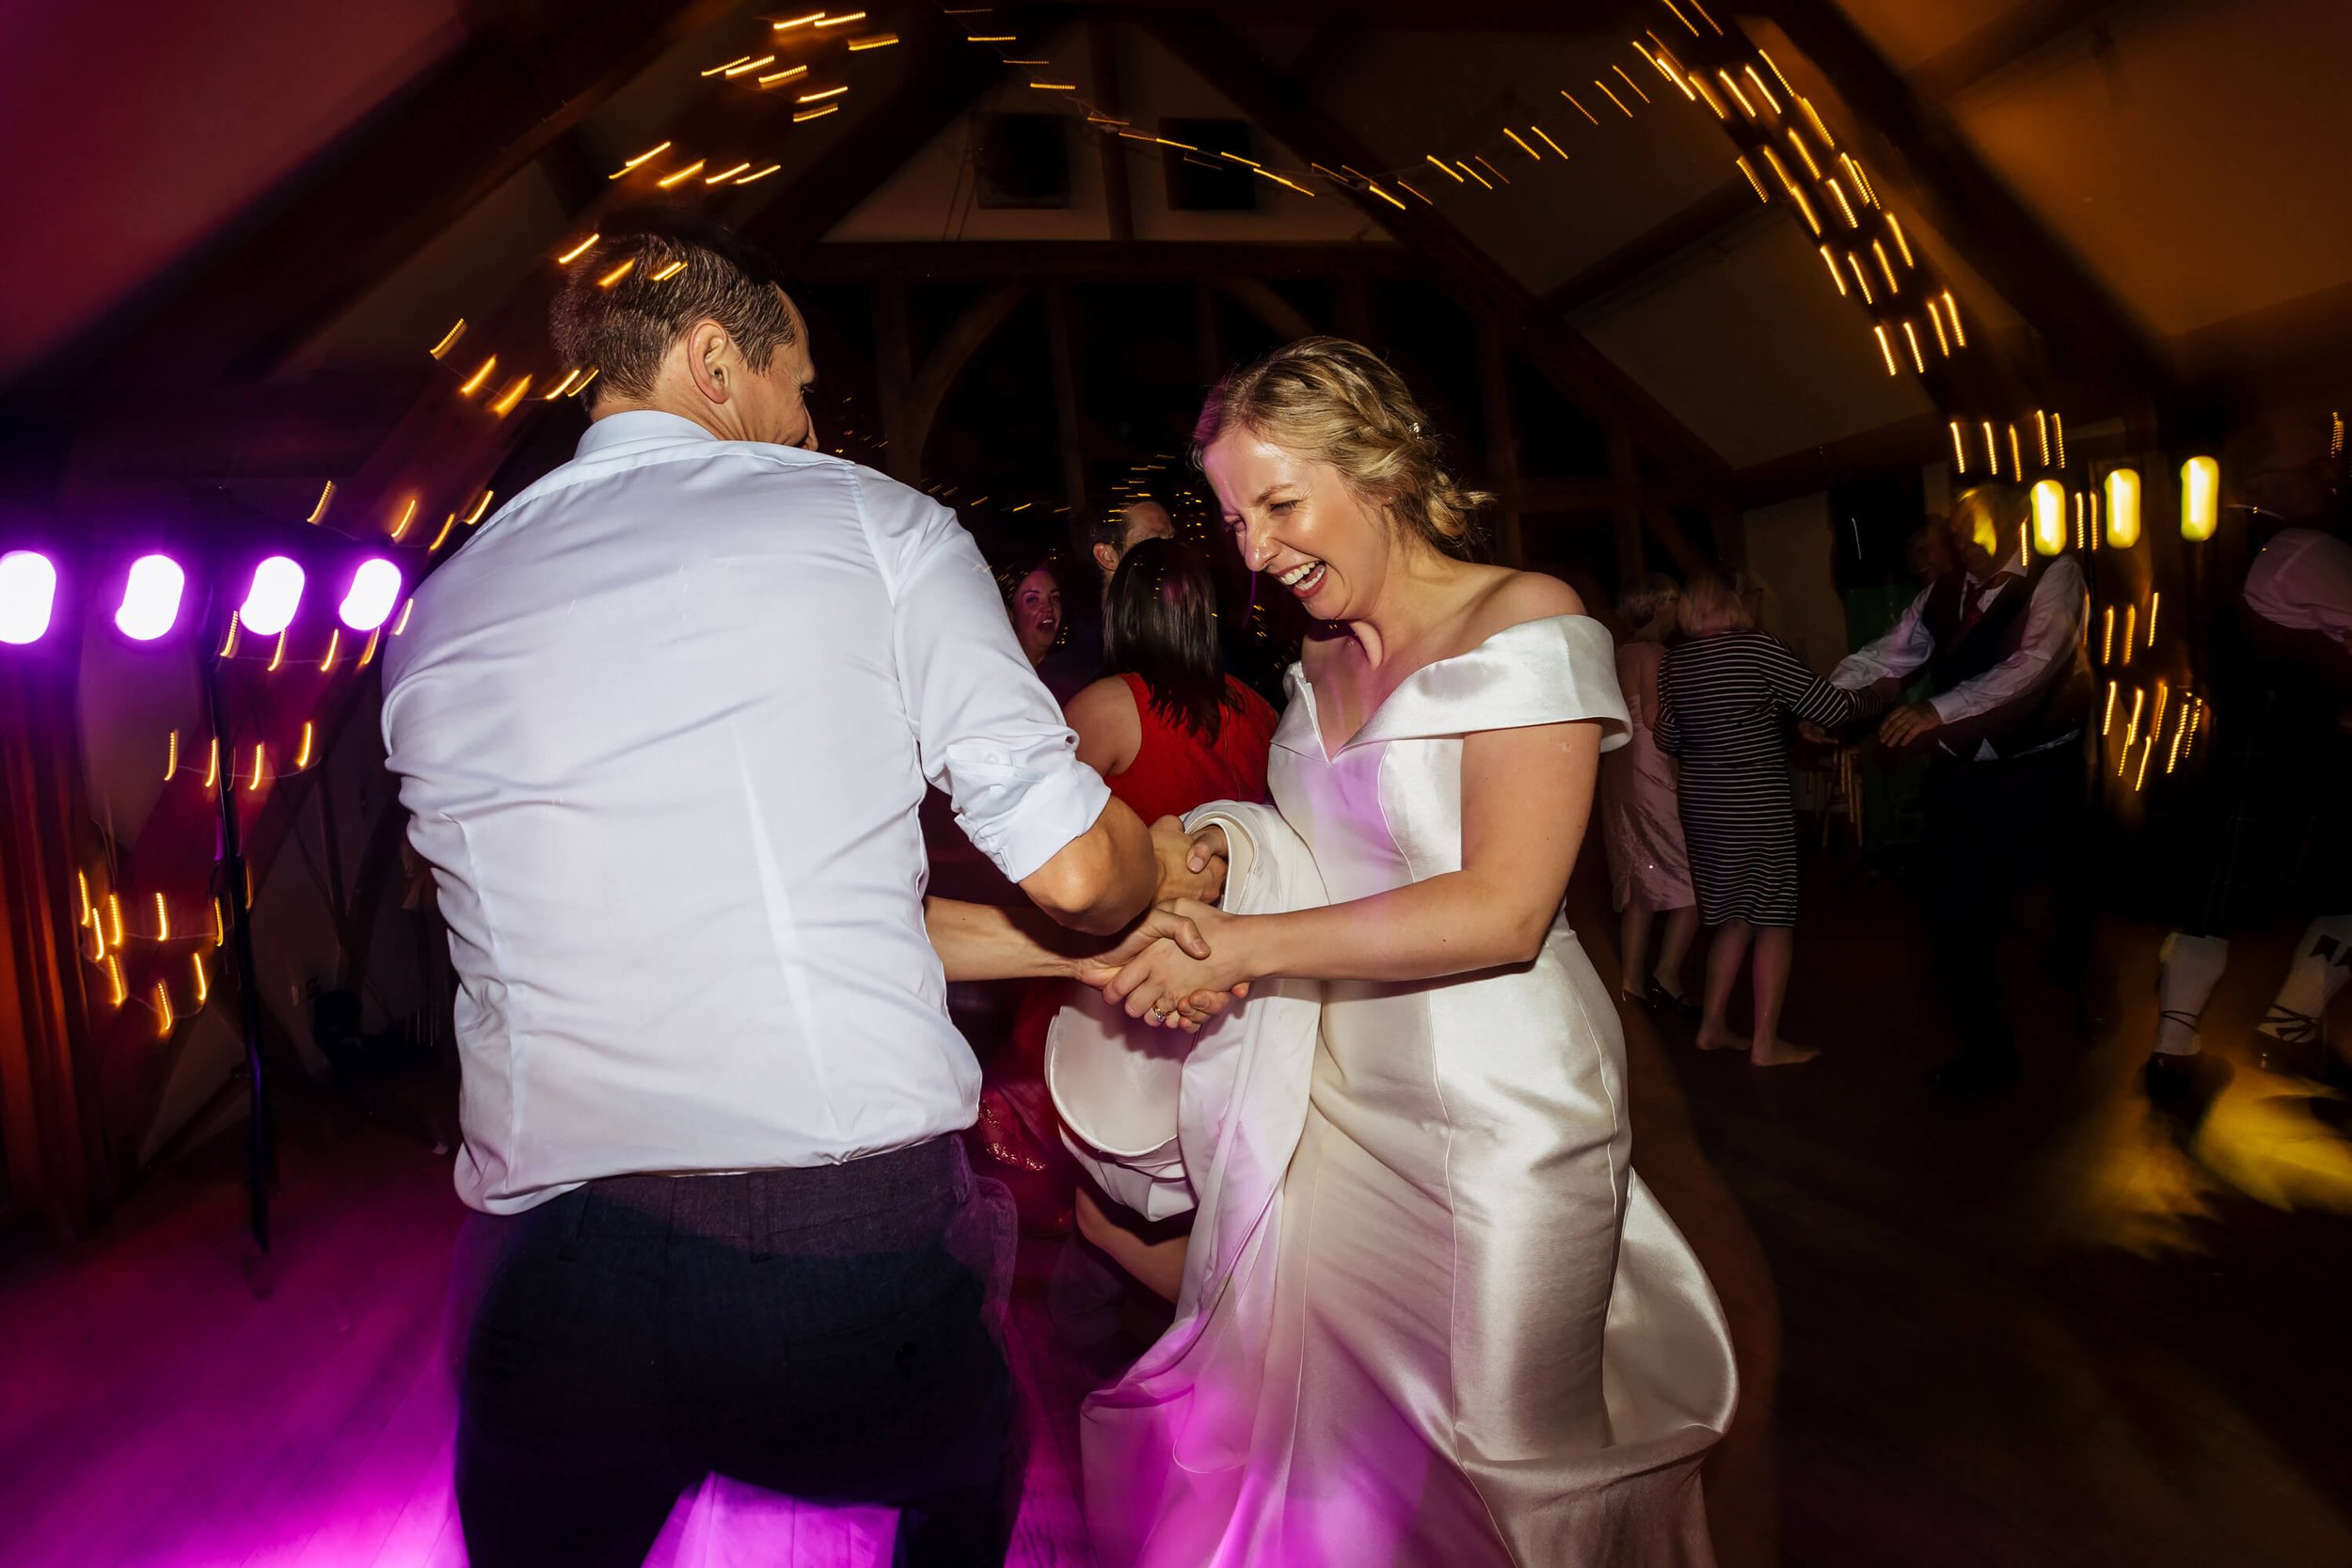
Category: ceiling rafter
<point>327,233</point>
<point>1538,333</point>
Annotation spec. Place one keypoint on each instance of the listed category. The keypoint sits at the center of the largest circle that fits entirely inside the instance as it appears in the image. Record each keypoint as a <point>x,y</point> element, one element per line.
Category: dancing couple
<point>662,728</point>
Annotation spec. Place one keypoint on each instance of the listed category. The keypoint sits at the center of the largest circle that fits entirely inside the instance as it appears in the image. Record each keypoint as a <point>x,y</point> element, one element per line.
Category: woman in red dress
<point>1168,730</point>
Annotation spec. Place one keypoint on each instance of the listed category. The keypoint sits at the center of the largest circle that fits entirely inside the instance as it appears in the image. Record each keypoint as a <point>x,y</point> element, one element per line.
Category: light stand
<point>261,1142</point>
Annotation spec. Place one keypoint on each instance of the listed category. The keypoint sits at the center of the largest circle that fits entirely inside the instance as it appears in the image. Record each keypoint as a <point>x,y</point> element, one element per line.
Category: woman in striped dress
<point>1727,695</point>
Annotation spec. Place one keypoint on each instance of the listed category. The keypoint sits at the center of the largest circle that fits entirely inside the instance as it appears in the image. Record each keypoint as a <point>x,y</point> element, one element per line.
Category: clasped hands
<point>1177,966</point>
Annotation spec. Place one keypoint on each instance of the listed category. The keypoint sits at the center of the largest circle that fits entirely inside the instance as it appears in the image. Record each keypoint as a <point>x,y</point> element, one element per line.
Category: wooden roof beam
<point>329,232</point>
<point>1538,332</point>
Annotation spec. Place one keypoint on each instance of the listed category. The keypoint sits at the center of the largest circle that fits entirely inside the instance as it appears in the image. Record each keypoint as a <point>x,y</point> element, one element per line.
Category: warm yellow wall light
<point>2124,508</point>
<point>2049,516</point>
<point>2201,499</point>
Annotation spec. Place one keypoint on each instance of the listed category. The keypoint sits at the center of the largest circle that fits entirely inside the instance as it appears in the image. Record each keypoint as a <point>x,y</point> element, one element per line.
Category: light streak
<point>2131,632</point>
<point>1415,192</point>
<point>1761,87</point>
<point>164,1020</point>
<point>441,538</point>
<point>1910,336</point>
<point>1547,141</point>
<point>2016,454</point>
<point>645,157</point>
<point>302,757</point>
<point>1888,348</point>
<point>670,181</point>
<point>1707,94</point>
<point>1813,118</point>
<point>1862,280</point>
<point>1579,108</point>
<point>1901,244</point>
<point>114,917</point>
<point>1830,262</point>
<point>448,339</point>
<point>2107,723</point>
<point>472,384</point>
<point>1444,168</point>
<point>801,117</point>
<point>163,920</point>
<point>1679,17</point>
<point>2041,434</point>
<point>1630,83</point>
<point>1960,450</point>
<point>1879,250</point>
<point>788,25</point>
<point>1474,174</point>
<point>2057,434</point>
<point>1053,86</point>
<point>1935,319</point>
<point>2107,636</point>
<point>1992,450</point>
<point>729,65</point>
<point>1384,196</point>
<point>212,769</point>
<point>278,656</point>
<point>1737,96</point>
<point>1960,335</point>
<point>203,990</point>
<point>1522,143</point>
<point>1491,169</point>
<point>719,178</point>
<point>756,174</point>
<point>872,40</point>
<point>841,21</point>
<point>1761,194</point>
<point>745,70</point>
<point>1844,207</point>
<point>334,646</point>
<point>1803,153</point>
<point>260,764</point>
<point>789,75</point>
<point>2156,603</point>
<point>367,654</point>
<point>171,765</point>
<point>506,400</point>
<point>318,513</point>
<point>402,623</point>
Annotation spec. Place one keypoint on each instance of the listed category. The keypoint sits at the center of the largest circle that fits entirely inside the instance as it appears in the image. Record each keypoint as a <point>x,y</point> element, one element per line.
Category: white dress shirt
<point>662,728</point>
<point>2302,582</point>
<point>2054,622</point>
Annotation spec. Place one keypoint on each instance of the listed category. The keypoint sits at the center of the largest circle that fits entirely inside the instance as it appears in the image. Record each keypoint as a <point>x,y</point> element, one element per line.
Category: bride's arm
<point>1526,794</point>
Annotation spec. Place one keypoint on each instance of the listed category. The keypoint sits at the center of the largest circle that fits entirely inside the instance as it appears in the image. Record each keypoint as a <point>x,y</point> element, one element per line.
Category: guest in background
<point>1640,822</point>
<point>1168,730</point>
<point>2001,637</point>
<point>1101,540</point>
<point>1034,601</point>
<point>1727,694</point>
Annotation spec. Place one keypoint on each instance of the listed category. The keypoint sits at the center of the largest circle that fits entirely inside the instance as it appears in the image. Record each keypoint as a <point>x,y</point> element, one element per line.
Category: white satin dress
<point>1484,1343</point>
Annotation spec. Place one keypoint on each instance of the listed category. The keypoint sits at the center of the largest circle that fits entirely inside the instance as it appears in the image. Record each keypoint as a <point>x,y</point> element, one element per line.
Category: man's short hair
<point>645,283</point>
<point>1099,525</point>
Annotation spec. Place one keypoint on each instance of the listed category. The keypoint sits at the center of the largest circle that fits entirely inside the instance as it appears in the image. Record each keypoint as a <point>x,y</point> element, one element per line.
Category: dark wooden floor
<point>2031,1330</point>
<point>2028,1331</point>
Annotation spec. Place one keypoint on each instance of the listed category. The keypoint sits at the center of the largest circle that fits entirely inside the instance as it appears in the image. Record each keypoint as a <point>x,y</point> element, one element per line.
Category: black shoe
<point>1976,1072</point>
<point>1663,1000</point>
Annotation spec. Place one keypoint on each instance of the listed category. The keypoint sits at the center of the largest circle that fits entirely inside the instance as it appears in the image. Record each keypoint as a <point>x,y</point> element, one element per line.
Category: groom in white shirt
<point>662,727</point>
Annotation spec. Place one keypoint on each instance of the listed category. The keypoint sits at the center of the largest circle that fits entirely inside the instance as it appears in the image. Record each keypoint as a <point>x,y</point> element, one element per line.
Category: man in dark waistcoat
<point>2000,640</point>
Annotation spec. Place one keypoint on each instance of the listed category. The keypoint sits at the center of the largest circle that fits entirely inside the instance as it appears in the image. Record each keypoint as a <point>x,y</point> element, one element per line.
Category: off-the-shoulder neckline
<point>1314,711</point>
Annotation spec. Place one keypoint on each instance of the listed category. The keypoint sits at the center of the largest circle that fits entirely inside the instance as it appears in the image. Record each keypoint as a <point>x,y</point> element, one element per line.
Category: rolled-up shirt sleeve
<point>987,729</point>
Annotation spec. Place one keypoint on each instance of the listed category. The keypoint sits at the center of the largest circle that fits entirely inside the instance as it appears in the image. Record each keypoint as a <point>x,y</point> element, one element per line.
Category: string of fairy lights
<point>1783,147</point>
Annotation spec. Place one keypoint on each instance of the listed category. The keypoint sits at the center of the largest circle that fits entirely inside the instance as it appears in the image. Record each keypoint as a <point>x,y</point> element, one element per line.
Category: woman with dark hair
<point>1166,726</point>
<point>1168,730</point>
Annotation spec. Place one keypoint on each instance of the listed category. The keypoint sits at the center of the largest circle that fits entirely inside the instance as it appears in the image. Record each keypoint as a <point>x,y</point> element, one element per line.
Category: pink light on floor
<point>150,598</point>
<point>375,589</point>
<point>270,603</point>
<point>29,589</point>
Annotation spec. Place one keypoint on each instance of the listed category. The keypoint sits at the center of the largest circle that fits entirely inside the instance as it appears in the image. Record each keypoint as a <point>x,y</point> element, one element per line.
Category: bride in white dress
<point>1483,1342</point>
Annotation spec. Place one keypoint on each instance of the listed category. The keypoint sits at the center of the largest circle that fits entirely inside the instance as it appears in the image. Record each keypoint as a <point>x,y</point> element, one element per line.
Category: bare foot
<point>1779,1052</point>
<point>1714,1037</point>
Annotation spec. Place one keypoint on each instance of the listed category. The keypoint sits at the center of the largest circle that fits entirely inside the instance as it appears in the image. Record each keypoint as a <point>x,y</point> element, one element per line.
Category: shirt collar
<point>2013,567</point>
<point>639,427</point>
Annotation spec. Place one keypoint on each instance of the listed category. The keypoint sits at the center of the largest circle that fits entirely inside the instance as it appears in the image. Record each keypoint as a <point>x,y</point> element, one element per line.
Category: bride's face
<point>1301,523</point>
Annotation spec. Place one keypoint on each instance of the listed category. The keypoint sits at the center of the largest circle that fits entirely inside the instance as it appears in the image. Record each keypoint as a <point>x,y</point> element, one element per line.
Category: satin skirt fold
<point>1480,1342</point>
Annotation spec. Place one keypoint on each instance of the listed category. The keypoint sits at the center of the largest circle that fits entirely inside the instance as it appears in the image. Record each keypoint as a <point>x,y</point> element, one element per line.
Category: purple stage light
<point>375,589</point>
<point>269,604</point>
<point>28,587</point>
<point>150,598</point>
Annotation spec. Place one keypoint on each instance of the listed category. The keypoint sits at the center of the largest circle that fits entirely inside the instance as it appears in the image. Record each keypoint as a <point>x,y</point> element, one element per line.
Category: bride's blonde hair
<point>1337,401</point>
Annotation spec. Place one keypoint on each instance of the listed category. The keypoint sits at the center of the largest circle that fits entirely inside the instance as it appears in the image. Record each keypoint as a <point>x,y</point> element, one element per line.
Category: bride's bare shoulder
<point>1516,596</point>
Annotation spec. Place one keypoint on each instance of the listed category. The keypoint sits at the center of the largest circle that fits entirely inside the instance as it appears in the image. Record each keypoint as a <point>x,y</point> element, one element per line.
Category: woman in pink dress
<point>1641,823</point>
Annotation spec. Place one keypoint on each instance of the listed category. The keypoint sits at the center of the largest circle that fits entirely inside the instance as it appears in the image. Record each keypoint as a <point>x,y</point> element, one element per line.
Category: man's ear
<point>1106,558</point>
<point>709,358</point>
